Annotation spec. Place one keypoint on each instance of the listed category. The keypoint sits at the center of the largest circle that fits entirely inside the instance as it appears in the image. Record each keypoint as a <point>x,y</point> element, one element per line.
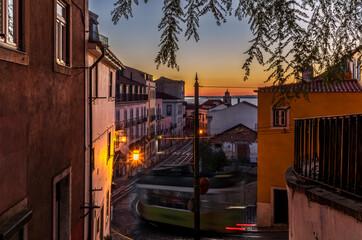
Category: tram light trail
<point>235,228</point>
<point>246,225</point>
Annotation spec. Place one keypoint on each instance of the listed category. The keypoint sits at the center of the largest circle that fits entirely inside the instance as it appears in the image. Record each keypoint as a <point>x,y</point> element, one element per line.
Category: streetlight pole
<point>196,164</point>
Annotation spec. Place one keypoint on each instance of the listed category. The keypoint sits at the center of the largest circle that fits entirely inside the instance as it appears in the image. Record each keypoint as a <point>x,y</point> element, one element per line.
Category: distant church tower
<point>227,98</point>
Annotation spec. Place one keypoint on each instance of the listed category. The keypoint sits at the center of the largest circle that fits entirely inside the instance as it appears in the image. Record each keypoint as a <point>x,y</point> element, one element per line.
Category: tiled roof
<point>168,80</point>
<point>317,86</point>
<point>163,95</point>
<point>123,79</point>
<point>211,103</point>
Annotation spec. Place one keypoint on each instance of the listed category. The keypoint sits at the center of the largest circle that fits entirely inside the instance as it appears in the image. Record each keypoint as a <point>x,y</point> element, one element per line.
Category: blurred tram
<point>166,196</point>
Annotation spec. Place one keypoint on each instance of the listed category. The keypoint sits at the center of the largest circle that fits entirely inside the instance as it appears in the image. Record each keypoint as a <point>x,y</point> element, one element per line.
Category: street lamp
<point>136,155</point>
<point>124,139</point>
<point>200,131</point>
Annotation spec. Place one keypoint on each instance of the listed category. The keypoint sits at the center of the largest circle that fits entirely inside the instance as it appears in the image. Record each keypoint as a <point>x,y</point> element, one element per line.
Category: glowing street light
<point>124,139</point>
<point>200,131</point>
<point>136,155</point>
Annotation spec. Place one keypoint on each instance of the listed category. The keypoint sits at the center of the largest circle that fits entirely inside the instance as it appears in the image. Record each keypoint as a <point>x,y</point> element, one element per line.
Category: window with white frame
<point>10,15</point>
<point>61,33</point>
<point>280,117</point>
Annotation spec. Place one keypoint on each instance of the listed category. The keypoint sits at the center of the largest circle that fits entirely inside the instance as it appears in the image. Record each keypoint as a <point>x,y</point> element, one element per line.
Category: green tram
<point>166,196</point>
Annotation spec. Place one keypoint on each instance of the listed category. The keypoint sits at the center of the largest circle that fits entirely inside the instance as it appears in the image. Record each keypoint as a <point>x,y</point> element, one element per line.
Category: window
<point>168,110</point>
<point>110,83</point>
<point>109,145</point>
<point>117,115</point>
<point>108,203</point>
<point>280,117</point>
<point>61,33</point>
<point>92,158</point>
<point>61,209</point>
<point>358,69</point>
<point>10,21</point>
<point>125,115</point>
<point>95,81</point>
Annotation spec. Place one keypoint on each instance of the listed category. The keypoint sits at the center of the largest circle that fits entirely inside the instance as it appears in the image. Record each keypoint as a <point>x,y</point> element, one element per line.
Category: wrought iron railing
<point>329,150</point>
<point>131,97</point>
<point>152,117</point>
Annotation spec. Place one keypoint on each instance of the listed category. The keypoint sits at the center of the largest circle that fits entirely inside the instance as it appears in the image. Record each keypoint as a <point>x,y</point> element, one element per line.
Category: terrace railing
<point>131,97</point>
<point>328,150</point>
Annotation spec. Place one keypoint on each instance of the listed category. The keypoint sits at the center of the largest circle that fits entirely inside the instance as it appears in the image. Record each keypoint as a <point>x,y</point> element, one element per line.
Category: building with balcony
<point>131,119</point>
<point>103,65</point>
<point>135,119</point>
<point>276,151</point>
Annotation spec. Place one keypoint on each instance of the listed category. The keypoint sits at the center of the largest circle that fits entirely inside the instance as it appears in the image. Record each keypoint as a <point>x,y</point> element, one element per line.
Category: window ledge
<point>11,54</point>
<point>63,69</point>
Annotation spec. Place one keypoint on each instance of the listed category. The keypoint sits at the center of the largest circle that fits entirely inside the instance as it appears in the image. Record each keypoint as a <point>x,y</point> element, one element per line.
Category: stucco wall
<point>52,103</point>
<point>276,146</point>
<point>230,117</point>
<point>103,124</point>
<point>311,220</point>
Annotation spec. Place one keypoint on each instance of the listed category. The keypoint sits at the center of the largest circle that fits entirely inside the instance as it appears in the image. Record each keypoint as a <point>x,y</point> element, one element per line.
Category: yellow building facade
<point>276,138</point>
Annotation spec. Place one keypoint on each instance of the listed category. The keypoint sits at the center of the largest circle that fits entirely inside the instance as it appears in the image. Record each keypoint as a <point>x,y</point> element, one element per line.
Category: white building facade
<point>100,130</point>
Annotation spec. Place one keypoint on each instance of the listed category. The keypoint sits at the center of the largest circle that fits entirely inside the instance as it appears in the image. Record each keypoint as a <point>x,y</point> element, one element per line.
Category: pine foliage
<point>289,36</point>
<point>170,25</point>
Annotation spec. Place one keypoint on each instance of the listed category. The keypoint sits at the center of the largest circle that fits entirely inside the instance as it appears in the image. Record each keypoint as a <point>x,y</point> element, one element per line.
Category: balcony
<point>152,118</point>
<point>324,184</point>
<point>131,97</point>
<point>328,151</point>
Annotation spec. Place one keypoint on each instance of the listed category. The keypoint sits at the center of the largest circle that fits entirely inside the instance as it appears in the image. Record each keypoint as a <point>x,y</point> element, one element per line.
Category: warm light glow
<point>160,137</point>
<point>124,139</point>
<point>235,228</point>
<point>236,207</point>
<point>136,155</point>
<point>200,131</point>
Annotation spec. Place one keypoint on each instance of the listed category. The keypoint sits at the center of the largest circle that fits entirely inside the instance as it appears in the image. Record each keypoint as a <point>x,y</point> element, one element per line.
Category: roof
<point>141,73</point>
<point>163,95</point>
<point>236,126</point>
<point>250,104</point>
<point>211,103</point>
<point>317,86</point>
<point>165,79</point>
<point>126,80</point>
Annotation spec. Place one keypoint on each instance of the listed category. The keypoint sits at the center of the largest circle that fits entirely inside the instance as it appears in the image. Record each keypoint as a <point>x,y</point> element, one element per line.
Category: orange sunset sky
<point>217,57</point>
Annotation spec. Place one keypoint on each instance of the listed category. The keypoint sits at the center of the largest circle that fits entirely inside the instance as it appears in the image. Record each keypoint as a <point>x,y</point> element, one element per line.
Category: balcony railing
<point>328,150</point>
<point>131,97</point>
<point>152,118</point>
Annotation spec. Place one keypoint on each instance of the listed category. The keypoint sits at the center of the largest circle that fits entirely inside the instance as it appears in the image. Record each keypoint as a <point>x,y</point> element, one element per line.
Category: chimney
<point>307,75</point>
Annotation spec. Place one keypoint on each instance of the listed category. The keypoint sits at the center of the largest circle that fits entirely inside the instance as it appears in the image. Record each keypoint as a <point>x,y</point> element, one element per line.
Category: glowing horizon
<point>217,57</point>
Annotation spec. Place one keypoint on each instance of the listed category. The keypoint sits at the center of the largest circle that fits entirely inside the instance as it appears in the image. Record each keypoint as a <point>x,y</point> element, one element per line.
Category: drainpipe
<point>91,145</point>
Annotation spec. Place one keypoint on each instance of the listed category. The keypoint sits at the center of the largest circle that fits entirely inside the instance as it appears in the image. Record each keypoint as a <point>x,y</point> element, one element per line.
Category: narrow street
<point>126,224</point>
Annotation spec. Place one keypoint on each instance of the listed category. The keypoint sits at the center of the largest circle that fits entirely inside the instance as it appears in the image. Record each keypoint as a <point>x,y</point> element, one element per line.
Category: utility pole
<point>196,164</point>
